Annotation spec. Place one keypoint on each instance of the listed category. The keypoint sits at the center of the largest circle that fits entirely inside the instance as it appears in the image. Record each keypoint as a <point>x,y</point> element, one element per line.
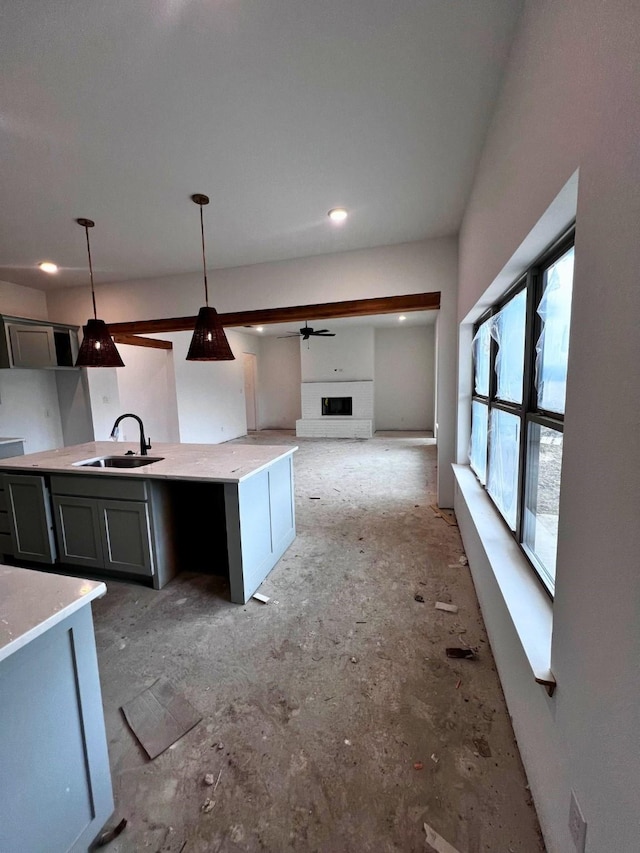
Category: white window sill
<point>529,607</point>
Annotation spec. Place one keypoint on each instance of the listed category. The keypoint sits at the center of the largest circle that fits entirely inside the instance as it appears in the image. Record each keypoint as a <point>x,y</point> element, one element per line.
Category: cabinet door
<point>78,531</point>
<point>30,518</point>
<point>33,346</point>
<point>126,537</point>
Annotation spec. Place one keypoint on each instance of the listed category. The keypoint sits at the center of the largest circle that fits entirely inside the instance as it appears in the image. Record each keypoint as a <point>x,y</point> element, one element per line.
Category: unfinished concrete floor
<point>343,725</point>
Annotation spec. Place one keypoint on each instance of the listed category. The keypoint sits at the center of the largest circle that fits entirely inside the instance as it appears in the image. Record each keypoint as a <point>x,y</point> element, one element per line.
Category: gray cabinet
<point>126,534</point>
<point>36,344</point>
<point>95,530</point>
<point>29,514</point>
<point>78,531</point>
<point>32,346</point>
<point>54,764</point>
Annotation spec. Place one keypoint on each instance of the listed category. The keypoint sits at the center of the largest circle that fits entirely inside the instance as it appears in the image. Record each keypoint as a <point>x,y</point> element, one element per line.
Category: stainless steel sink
<point>119,462</point>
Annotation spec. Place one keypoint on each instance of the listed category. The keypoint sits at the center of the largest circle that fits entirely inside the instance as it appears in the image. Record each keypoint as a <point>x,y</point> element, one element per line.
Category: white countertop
<point>219,463</point>
<point>31,602</point>
<point>10,440</point>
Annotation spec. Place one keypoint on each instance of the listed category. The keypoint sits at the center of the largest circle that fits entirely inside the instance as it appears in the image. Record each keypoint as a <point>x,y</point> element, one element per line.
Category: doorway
<point>249,364</point>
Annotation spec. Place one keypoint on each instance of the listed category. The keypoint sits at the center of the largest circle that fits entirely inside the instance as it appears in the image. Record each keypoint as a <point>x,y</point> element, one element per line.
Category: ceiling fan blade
<point>326,334</point>
<point>290,335</point>
<point>320,331</point>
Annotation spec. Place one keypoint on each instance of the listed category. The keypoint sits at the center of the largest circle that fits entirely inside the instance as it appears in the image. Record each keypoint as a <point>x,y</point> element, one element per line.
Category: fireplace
<point>337,406</point>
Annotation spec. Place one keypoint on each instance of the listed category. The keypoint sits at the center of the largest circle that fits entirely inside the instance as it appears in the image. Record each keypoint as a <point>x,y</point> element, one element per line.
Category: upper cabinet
<point>37,344</point>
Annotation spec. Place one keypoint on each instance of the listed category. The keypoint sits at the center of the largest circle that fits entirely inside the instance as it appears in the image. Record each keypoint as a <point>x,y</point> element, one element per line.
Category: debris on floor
<point>449,608</point>
<point>437,841</point>
<point>314,499</point>
<point>207,806</point>
<point>461,653</point>
<point>159,717</point>
<point>482,745</point>
<point>418,765</point>
<point>418,598</point>
<point>107,837</point>
<point>260,597</point>
<point>354,660</point>
<point>464,560</point>
<point>445,514</point>
<point>434,758</point>
<point>208,779</point>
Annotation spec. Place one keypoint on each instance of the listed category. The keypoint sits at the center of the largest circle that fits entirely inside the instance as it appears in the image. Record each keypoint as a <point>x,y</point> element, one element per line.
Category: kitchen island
<point>54,766</point>
<point>227,508</point>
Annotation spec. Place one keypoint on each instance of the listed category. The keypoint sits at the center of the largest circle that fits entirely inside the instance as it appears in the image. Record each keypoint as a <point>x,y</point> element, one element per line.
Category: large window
<point>520,352</point>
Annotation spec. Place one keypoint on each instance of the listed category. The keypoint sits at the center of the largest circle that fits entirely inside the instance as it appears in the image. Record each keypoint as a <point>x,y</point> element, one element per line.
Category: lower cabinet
<point>26,498</point>
<point>101,532</point>
<point>106,524</point>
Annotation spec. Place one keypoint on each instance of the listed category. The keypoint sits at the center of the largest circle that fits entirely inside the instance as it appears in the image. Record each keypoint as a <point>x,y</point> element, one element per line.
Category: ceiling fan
<point>307,332</point>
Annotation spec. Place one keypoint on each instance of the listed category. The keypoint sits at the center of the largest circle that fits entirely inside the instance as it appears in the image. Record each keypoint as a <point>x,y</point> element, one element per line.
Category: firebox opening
<point>337,405</point>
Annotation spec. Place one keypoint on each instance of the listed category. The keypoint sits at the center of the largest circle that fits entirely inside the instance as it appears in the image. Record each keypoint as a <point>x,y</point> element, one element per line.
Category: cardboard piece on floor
<point>159,717</point>
<point>437,841</point>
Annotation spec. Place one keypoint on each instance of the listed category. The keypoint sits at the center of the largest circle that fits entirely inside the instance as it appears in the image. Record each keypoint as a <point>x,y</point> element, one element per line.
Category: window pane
<point>504,450</point>
<point>478,450</point>
<point>542,496</point>
<point>481,351</point>
<point>508,330</point>
<point>552,348</point>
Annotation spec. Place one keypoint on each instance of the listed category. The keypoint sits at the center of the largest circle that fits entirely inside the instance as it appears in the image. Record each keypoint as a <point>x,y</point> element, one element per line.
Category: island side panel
<point>54,764</point>
<point>260,518</point>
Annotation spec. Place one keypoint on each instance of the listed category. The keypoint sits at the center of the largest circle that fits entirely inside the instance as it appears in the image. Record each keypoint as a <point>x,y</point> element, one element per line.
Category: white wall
<point>279,380</point>
<point>347,357</point>
<point>425,266</point>
<point>570,102</point>
<point>405,378</point>
<point>104,400</point>
<point>210,395</point>
<point>22,301</point>
<point>29,408</point>
<point>147,388</point>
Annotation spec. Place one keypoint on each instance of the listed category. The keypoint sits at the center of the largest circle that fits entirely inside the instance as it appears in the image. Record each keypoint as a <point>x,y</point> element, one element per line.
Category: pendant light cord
<point>93,294</point>
<point>204,261</point>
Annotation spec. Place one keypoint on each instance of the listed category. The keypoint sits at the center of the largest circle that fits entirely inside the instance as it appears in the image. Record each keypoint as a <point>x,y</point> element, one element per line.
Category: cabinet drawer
<point>6,545</point>
<point>4,522</point>
<point>99,487</point>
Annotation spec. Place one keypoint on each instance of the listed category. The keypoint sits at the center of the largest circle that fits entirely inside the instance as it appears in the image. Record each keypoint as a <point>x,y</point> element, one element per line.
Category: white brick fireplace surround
<point>314,424</point>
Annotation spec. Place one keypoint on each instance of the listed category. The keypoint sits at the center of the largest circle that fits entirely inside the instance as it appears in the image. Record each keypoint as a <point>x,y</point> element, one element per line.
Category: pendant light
<point>97,348</point>
<point>209,342</point>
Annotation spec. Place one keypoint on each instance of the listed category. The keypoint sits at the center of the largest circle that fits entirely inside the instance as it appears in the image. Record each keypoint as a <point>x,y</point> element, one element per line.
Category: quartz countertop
<point>10,440</point>
<point>31,602</point>
<point>218,463</point>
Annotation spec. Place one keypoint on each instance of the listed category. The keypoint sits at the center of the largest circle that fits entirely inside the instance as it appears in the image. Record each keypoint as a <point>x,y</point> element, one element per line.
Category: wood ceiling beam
<point>139,341</point>
<point>295,313</point>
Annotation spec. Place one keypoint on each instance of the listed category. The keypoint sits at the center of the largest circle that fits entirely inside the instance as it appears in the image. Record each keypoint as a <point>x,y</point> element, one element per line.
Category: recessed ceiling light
<point>259,328</point>
<point>402,317</point>
<point>337,214</point>
<point>48,266</point>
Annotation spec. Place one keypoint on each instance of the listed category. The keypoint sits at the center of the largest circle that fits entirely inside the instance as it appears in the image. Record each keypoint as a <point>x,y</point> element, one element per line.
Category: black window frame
<point>528,410</point>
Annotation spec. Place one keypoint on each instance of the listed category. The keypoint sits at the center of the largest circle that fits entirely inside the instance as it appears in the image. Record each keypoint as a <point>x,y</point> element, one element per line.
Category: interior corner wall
<point>279,380</point>
<point>404,378</point>
<point>569,102</point>
<point>419,267</point>
<point>210,395</point>
<point>147,387</point>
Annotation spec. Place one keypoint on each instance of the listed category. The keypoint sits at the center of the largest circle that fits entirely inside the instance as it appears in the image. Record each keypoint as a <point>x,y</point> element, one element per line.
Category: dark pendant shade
<point>98,349</point>
<point>209,342</point>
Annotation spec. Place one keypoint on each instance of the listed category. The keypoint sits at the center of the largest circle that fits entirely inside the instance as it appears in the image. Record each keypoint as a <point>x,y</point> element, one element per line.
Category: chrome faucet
<point>144,444</point>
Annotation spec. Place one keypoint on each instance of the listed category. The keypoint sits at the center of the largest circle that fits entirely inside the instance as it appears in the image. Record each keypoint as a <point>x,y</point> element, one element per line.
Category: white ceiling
<point>338,324</point>
<point>278,109</point>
